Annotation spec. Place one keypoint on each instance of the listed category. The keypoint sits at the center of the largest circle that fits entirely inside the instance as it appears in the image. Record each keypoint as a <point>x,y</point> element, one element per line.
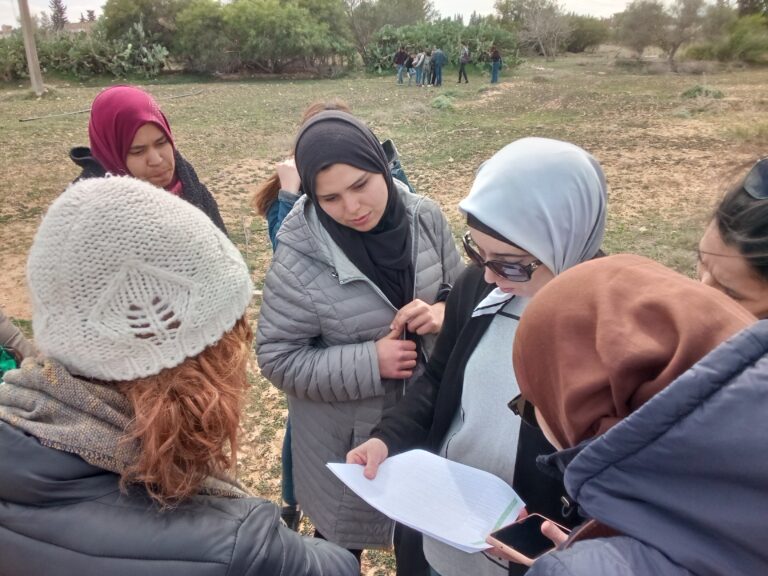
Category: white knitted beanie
<point>127,279</point>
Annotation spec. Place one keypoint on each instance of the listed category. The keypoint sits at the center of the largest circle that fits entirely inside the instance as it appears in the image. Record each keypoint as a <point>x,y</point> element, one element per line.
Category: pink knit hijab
<point>117,113</point>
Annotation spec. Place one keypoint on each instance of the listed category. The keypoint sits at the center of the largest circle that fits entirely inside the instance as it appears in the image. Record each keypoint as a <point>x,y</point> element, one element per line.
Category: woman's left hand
<point>419,317</point>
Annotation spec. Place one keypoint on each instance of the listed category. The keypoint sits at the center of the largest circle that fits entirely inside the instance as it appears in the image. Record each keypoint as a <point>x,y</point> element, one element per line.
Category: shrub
<point>700,91</point>
<point>202,40</point>
<point>13,61</point>
<point>442,102</point>
<point>85,55</point>
<point>748,40</point>
<point>745,41</point>
<point>586,32</point>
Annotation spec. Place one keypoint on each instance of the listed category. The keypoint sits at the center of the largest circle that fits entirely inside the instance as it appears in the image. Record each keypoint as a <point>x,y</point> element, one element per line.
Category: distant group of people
<point>426,66</point>
<point>637,395</point>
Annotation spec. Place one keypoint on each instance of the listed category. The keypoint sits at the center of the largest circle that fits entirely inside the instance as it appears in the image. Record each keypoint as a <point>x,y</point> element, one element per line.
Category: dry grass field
<point>667,158</point>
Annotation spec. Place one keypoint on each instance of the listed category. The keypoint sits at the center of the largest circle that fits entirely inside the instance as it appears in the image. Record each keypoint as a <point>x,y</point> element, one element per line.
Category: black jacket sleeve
<point>195,192</point>
<point>407,424</point>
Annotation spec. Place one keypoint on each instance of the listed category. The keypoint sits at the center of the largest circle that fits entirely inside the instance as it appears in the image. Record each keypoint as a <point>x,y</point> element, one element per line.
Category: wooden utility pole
<point>33,65</point>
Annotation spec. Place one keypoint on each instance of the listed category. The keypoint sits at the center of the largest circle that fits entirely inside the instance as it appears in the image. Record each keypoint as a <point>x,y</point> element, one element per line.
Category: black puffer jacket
<point>193,191</point>
<point>60,516</point>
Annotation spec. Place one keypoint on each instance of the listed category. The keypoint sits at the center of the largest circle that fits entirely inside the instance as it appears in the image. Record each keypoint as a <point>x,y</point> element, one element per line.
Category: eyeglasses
<point>756,181</point>
<point>507,270</point>
<point>521,407</point>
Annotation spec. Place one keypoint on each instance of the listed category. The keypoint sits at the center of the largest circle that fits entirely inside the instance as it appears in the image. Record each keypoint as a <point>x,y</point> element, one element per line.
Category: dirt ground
<point>666,159</point>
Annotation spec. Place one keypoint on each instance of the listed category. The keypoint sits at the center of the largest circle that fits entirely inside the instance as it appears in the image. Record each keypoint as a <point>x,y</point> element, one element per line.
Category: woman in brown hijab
<point>659,414</point>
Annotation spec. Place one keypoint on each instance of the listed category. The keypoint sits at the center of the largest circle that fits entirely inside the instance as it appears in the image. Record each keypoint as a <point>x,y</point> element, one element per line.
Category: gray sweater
<point>319,321</point>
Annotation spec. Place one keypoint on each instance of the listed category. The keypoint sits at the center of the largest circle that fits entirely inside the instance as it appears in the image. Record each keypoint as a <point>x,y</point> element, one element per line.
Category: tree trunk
<point>671,58</point>
<point>543,49</point>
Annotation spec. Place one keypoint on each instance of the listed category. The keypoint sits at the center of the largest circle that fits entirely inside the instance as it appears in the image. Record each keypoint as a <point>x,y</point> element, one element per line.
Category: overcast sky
<point>9,9</point>
<point>591,7</point>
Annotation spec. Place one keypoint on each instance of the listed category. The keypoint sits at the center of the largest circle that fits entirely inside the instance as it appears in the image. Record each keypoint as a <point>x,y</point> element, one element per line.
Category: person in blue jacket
<point>438,61</point>
<point>653,388</point>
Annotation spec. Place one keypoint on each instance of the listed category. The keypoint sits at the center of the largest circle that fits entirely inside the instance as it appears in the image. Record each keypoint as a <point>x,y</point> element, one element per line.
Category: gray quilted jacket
<point>320,318</point>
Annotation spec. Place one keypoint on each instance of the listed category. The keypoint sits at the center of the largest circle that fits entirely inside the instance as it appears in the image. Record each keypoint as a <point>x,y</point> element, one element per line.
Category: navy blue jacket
<point>684,479</point>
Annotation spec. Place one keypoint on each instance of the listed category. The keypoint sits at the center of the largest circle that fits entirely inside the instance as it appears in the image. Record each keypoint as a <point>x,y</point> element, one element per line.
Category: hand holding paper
<point>451,502</point>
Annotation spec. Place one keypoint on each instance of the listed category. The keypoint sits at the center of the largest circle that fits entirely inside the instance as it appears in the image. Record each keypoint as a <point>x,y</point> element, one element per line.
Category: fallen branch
<point>83,111</point>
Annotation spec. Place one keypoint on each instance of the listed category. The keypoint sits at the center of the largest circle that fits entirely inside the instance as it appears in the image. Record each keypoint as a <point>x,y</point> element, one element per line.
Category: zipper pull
<point>334,274</point>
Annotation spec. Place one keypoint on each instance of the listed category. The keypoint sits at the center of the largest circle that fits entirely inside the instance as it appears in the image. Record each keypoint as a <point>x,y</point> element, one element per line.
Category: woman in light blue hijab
<point>536,208</point>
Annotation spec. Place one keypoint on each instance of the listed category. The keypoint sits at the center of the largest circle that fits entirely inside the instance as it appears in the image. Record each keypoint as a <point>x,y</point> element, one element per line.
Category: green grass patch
<point>443,102</point>
<point>700,91</point>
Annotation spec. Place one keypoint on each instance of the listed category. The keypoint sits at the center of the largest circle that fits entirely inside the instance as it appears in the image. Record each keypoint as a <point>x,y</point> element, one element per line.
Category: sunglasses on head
<point>506,270</point>
<point>756,181</point>
<point>521,407</point>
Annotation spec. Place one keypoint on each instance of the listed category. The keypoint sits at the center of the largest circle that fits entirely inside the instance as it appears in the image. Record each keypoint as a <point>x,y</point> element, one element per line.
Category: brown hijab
<point>605,336</point>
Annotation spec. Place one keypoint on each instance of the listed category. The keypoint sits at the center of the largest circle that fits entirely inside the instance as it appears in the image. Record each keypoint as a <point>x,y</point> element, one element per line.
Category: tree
<point>641,25</point>
<point>544,26</point>
<point>684,25</point>
<point>158,18</point>
<point>718,19</point>
<point>331,13</point>
<point>749,7</point>
<point>509,12</point>
<point>366,17</point>
<point>44,22</point>
<point>58,15</point>
<point>586,32</point>
<point>270,35</point>
<point>202,39</point>
<point>91,15</point>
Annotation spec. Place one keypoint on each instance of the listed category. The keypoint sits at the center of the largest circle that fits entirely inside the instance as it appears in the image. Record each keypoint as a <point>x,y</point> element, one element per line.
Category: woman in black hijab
<point>380,249</point>
<point>357,257</point>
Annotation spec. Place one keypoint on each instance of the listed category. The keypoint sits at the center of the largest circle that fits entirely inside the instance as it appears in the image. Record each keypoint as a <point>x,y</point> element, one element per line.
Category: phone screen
<point>525,536</point>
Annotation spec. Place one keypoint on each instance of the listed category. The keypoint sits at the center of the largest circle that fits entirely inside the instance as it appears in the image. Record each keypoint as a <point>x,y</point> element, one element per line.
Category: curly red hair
<point>187,417</point>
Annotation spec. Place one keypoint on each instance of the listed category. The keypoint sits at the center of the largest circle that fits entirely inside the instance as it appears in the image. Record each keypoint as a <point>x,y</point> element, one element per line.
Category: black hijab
<point>383,254</point>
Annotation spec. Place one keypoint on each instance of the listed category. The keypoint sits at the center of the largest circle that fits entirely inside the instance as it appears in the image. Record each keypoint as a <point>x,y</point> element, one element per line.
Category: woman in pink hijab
<point>131,136</point>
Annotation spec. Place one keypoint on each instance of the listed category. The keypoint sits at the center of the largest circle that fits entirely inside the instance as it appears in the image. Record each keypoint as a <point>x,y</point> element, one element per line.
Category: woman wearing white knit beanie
<point>123,431</point>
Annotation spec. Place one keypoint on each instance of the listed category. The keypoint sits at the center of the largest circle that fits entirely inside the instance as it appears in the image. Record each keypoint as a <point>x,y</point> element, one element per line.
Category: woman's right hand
<point>397,357</point>
<point>290,181</point>
<point>370,454</point>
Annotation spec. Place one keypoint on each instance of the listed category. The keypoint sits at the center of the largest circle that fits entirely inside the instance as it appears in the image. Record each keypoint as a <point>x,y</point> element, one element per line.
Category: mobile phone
<point>523,540</point>
<point>390,150</point>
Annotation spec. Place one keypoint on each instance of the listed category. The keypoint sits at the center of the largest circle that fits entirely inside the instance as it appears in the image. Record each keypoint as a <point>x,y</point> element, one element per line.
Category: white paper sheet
<point>451,502</point>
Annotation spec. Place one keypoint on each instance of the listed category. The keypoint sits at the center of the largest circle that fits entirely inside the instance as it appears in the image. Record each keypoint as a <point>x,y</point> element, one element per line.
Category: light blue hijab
<point>546,196</point>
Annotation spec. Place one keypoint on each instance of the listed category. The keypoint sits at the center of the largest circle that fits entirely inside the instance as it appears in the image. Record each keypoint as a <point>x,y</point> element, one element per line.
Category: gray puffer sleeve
<point>264,545</point>
<point>289,355</point>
